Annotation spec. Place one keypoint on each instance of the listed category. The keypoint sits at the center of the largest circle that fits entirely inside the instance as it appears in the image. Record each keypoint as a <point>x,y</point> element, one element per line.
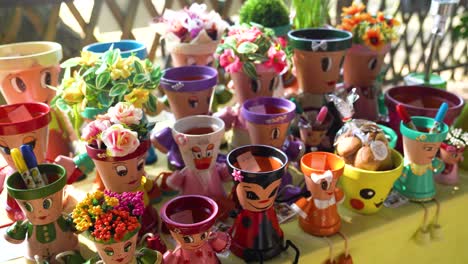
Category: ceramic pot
<point>189,219</point>
<point>310,133</point>
<point>319,214</point>
<point>268,119</point>
<point>420,101</point>
<point>189,89</point>
<point>257,172</point>
<point>45,230</point>
<point>390,134</point>
<point>318,56</point>
<point>127,47</point>
<point>246,88</point>
<point>451,156</point>
<point>420,148</point>
<point>365,191</point>
<point>117,252</point>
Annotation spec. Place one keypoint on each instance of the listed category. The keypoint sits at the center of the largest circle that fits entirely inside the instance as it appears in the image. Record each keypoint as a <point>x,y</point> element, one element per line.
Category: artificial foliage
<point>269,13</point>
<point>310,13</point>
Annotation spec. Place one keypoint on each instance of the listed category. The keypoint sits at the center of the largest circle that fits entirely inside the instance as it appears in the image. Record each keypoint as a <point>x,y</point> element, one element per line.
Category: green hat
<point>424,122</point>
<point>84,163</point>
<point>320,39</point>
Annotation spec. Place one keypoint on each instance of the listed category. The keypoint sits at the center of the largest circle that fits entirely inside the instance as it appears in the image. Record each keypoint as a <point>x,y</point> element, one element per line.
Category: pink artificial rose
<point>249,35</point>
<point>230,62</point>
<point>119,141</point>
<point>276,59</point>
<point>125,113</point>
<point>93,129</point>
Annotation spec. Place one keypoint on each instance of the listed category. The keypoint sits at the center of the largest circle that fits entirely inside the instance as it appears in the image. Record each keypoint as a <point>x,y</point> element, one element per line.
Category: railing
<point>24,20</point>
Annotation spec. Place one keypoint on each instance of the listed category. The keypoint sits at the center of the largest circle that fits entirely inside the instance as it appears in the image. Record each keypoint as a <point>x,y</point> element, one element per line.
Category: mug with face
<point>121,252</point>
<point>189,89</point>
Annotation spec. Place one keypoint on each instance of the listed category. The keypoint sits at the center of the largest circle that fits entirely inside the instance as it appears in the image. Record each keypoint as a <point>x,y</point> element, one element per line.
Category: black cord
<point>298,253</point>
<point>305,194</point>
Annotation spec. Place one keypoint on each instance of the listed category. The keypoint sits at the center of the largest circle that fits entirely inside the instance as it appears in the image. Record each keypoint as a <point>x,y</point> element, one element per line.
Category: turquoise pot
<point>391,136</point>
<point>420,148</point>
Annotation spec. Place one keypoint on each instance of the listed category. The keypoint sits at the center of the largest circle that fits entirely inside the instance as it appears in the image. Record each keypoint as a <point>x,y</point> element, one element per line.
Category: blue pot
<point>127,47</point>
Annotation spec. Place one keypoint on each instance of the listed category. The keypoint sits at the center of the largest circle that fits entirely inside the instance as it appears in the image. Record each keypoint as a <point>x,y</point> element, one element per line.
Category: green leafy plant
<point>269,13</point>
<point>460,31</point>
<point>310,13</point>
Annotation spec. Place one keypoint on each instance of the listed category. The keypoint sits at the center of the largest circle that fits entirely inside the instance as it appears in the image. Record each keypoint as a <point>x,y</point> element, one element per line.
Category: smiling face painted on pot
<point>321,186</point>
<point>371,197</point>
<point>248,88</point>
<point>36,139</point>
<point>43,211</point>
<point>419,152</point>
<point>451,154</point>
<point>122,176</point>
<point>271,135</point>
<point>187,60</point>
<point>190,242</point>
<point>120,252</point>
<point>30,85</point>
<point>256,198</point>
<point>190,103</point>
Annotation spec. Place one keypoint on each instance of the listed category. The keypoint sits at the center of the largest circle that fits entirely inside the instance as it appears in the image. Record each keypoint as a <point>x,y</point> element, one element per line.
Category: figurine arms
<point>16,233</point>
<point>300,207</point>
<point>220,241</point>
<point>438,165</point>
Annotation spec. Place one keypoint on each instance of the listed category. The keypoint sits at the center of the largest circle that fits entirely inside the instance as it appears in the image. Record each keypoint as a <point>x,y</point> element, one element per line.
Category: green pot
<point>282,31</point>
<point>391,135</point>
<point>92,112</point>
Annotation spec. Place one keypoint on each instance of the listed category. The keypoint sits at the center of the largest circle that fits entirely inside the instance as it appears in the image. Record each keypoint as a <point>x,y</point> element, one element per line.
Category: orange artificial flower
<point>391,22</point>
<point>348,24</point>
<point>365,17</point>
<point>374,38</point>
<point>353,9</point>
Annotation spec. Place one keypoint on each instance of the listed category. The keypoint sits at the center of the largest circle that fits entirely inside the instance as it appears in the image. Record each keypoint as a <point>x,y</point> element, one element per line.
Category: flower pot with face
<point>189,89</point>
<point>257,172</point>
<point>420,148</point>
<point>319,213</point>
<point>451,156</point>
<point>45,229</point>
<point>420,101</point>
<point>365,190</point>
<point>117,252</point>
<point>189,219</point>
<point>23,123</point>
<point>312,134</point>
<point>26,71</point>
<point>268,119</point>
<point>127,48</point>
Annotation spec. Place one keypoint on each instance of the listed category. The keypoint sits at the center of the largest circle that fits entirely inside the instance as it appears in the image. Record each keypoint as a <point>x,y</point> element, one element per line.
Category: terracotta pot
<point>127,47</point>
<point>420,148</point>
<point>318,55</point>
<point>257,171</point>
<point>420,101</point>
<point>246,88</point>
<point>268,119</point>
<point>189,89</point>
<point>199,52</point>
<point>121,252</point>
<point>319,214</point>
<point>365,191</point>
<point>451,156</point>
<point>46,231</point>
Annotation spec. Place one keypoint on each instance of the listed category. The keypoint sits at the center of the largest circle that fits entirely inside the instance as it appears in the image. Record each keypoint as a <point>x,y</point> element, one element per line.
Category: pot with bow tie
<point>318,56</point>
<point>189,89</point>
<point>318,214</point>
<point>417,182</point>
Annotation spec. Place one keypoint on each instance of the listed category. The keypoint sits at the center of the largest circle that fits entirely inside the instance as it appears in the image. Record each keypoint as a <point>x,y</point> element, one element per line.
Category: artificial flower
<point>88,58</point>
<point>276,59</point>
<point>230,62</point>
<point>138,97</point>
<point>73,94</point>
<point>93,129</point>
<point>353,9</point>
<point>374,39</point>
<point>119,141</point>
<point>125,113</point>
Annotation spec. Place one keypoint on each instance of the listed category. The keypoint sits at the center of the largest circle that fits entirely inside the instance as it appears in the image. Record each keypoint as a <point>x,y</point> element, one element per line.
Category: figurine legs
<point>344,258</point>
<point>423,235</point>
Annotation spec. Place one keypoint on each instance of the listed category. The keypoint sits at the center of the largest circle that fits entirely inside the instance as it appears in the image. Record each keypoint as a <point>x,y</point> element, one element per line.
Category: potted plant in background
<point>372,36</point>
<point>268,13</point>
<point>451,153</point>
<point>309,13</point>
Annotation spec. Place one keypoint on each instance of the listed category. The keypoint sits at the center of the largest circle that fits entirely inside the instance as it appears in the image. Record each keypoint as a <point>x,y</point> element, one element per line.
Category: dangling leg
<point>346,257</point>
<point>423,235</point>
<point>287,245</point>
<point>435,228</point>
<point>330,246</point>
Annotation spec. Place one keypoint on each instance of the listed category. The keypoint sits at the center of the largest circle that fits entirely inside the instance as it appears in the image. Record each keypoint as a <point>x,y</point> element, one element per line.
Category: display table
<point>385,237</point>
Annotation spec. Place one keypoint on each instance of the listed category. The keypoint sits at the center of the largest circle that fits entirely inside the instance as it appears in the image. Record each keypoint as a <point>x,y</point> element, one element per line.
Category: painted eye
<point>324,185</point>
<point>18,84</point>
<point>367,193</point>
<point>255,85</point>
<point>188,239</point>
<point>372,63</point>
<point>121,170</point>
<point>197,154</point>
<point>208,99</point>
<point>252,196</point>
<point>275,133</point>
<point>326,64</point>
<point>191,61</point>
<point>109,251</point>
<point>209,153</point>
<point>273,83</point>
<point>31,141</point>
<point>204,235</point>
<point>127,246</point>
<point>193,101</point>
<point>273,193</point>
<point>28,207</point>
<point>209,60</point>
<point>47,203</point>
<point>428,148</point>
<point>46,79</point>
<point>5,149</point>
<point>141,164</point>
<point>342,62</point>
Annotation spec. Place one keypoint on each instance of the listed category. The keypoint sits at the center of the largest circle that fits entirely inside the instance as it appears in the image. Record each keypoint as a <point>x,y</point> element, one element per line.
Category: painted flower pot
<point>45,230</point>
<point>268,119</point>
<point>117,252</point>
<point>312,134</point>
<point>451,156</point>
<point>198,52</point>
<point>319,214</point>
<point>246,88</point>
<point>189,219</point>
<point>189,89</point>
<point>420,101</point>
<point>318,55</point>
<point>365,191</point>
<point>257,172</point>
<point>390,134</point>
<point>127,47</point>
<point>420,148</point>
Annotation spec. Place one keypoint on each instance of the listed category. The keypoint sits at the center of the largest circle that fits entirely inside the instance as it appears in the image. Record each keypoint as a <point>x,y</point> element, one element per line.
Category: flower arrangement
<point>103,81</point>
<point>107,216</point>
<point>373,31</point>
<point>246,46</point>
<point>119,131</point>
<point>457,138</point>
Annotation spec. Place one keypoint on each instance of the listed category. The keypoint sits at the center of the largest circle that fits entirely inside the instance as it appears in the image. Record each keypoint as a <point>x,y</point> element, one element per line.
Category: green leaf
<point>102,80</point>
<point>72,62</point>
<point>54,100</point>
<point>118,89</point>
<point>104,99</point>
<point>67,73</point>
<point>108,55</point>
<point>101,68</point>
<point>115,56</point>
<point>247,47</point>
<point>88,72</point>
<point>151,103</point>
<point>138,67</point>
<point>249,69</point>
<point>140,78</point>
<point>62,105</point>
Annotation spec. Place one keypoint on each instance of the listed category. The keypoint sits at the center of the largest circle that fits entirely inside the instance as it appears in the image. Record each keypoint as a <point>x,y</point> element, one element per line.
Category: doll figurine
<point>189,219</point>
<point>451,153</point>
<point>313,128</point>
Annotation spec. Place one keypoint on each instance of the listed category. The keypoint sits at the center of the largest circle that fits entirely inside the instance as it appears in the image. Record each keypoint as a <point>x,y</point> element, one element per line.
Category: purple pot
<point>420,101</point>
<point>189,89</point>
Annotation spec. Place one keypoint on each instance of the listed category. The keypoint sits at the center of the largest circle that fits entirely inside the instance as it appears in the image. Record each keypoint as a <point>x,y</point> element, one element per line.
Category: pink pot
<point>247,88</point>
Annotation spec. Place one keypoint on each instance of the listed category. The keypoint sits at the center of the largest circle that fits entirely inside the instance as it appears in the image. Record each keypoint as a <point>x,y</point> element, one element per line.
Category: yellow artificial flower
<point>374,38</point>
<point>73,94</point>
<point>121,69</point>
<point>88,58</point>
<point>111,201</point>
<point>137,97</point>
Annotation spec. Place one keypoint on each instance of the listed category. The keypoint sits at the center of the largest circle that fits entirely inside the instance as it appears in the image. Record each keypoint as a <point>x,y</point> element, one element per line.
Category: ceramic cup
<point>365,191</point>
<point>127,47</point>
<point>189,89</point>
<point>420,148</point>
<point>451,156</point>
<point>45,230</point>
<point>268,119</point>
<point>118,252</point>
<point>247,88</point>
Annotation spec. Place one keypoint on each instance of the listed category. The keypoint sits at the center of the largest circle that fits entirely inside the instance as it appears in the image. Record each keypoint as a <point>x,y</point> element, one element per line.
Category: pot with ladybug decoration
<point>257,171</point>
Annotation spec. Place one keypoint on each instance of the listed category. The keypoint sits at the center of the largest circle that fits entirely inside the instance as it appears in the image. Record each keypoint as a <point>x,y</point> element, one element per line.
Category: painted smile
<point>119,259</point>
<point>260,208</point>
<point>331,83</point>
<point>329,193</point>
<point>378,204</point>
<point>42,217</point>
<point>132,182</point>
